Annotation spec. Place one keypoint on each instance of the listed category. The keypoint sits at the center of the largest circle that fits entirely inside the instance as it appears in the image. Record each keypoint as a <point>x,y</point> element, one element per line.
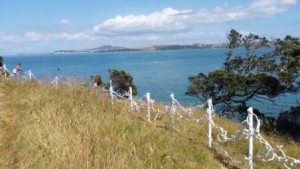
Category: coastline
<point>108,48</point>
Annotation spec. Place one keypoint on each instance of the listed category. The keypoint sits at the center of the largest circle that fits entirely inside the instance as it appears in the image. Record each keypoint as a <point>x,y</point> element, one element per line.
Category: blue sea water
<point>158,72</point>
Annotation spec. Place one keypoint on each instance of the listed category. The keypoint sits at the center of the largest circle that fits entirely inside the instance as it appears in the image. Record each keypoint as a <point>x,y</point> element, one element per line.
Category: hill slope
<point>43,126</point>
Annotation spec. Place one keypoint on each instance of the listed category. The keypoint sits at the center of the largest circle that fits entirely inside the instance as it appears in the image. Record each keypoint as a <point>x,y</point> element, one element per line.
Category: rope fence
<point>248,129</point>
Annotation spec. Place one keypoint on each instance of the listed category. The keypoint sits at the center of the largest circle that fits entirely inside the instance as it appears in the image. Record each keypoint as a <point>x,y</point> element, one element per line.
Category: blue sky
<point>35,26</point>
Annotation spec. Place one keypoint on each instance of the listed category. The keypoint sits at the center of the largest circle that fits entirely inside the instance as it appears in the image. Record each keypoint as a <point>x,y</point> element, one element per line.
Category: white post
<point>130,98</point>
<point>209,113</point>
<point>5,70</point>
<point>250,121</point>
<point>30,75</point>
<point>56,80</point>
<point>173,111</point>
<point>111,91</point>
<point>148,105</point>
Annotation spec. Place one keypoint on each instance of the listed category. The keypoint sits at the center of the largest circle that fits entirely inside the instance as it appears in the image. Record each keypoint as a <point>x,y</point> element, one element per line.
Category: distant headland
<point>109,48</point>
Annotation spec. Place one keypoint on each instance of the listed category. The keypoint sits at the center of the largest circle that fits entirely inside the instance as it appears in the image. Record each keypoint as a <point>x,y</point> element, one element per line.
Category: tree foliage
<point>97,80</point>
<point>3,72</point>
<point>121,81</point>
<point>254,68</point>
<point>1,61</point>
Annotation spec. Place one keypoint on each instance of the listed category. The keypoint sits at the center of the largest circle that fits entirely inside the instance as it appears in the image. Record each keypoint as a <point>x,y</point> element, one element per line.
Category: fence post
<point>5,70</point>
<point>130,98</point>
<point>148,105</point>
<point>30,75</point>
<point>111,91</point>
<point>209,114</point>
<point>173,111</point>
<point>250,121</point>
<point>56,80</point>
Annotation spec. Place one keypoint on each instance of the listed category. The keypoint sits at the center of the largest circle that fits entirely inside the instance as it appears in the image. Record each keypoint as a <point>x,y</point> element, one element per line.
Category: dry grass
<point>43,126</point>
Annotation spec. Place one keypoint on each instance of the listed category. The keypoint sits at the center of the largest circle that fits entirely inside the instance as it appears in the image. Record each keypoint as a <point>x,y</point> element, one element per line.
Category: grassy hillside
<point>44,126</point>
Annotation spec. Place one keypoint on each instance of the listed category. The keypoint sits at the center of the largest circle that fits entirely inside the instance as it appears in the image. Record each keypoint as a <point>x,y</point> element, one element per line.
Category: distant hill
<point>109,48</point>
<point>106,48</point>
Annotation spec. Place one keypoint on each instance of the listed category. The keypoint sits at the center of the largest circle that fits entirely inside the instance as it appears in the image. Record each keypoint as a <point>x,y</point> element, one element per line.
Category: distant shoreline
<point>109,48</point>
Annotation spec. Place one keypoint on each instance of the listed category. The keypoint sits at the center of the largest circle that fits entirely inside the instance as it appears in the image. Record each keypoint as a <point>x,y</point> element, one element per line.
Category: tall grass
<point>44,126</point>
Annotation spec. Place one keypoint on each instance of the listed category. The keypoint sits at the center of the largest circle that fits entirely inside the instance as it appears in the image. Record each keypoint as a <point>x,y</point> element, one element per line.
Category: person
<point>18,72</point>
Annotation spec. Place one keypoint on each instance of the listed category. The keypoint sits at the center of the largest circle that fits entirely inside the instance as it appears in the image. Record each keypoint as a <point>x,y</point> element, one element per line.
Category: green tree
<point>254,68</point>
<point>121,81</point>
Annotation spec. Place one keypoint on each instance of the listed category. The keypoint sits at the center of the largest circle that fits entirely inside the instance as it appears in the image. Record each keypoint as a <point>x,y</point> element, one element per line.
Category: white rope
<point>56,81</point>
<point>222,135</point>
<point>188,113</point>
<point>28,75</point>
<point>270,154</point>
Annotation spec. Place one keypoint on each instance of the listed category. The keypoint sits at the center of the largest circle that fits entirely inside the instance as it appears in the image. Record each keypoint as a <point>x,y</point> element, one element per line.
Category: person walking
<point>18,72</point>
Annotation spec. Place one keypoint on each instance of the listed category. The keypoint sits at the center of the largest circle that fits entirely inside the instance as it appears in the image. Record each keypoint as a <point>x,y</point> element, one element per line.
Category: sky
<point>36,26</point>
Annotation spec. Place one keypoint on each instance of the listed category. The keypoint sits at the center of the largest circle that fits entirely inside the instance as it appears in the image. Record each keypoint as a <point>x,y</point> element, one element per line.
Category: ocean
<point>158,72</point>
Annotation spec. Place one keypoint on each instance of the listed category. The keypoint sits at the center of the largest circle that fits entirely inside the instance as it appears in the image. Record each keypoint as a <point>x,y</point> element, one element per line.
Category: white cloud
<point>39,37</point>
<point>171,20</point>
<point>65,22</point>
<point>45,42</point>
<point>32,36</point>
<point>223,13</point>
<point>9,38</point>
<point>167,20</point>
<point>270,7</point>
<point>75,37</point>
<point>153,37</point>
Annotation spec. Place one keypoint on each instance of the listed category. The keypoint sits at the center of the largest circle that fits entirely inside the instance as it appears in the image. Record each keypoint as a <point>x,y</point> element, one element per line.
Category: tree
<point>121,81</point>
<point>3,72</point>
<point>1,61</point>
<point>97,80</point>
<point>254,68</point>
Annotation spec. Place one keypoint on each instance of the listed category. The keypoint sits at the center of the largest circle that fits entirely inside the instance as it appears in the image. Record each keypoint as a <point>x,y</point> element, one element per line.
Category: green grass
<point>44,126</point>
